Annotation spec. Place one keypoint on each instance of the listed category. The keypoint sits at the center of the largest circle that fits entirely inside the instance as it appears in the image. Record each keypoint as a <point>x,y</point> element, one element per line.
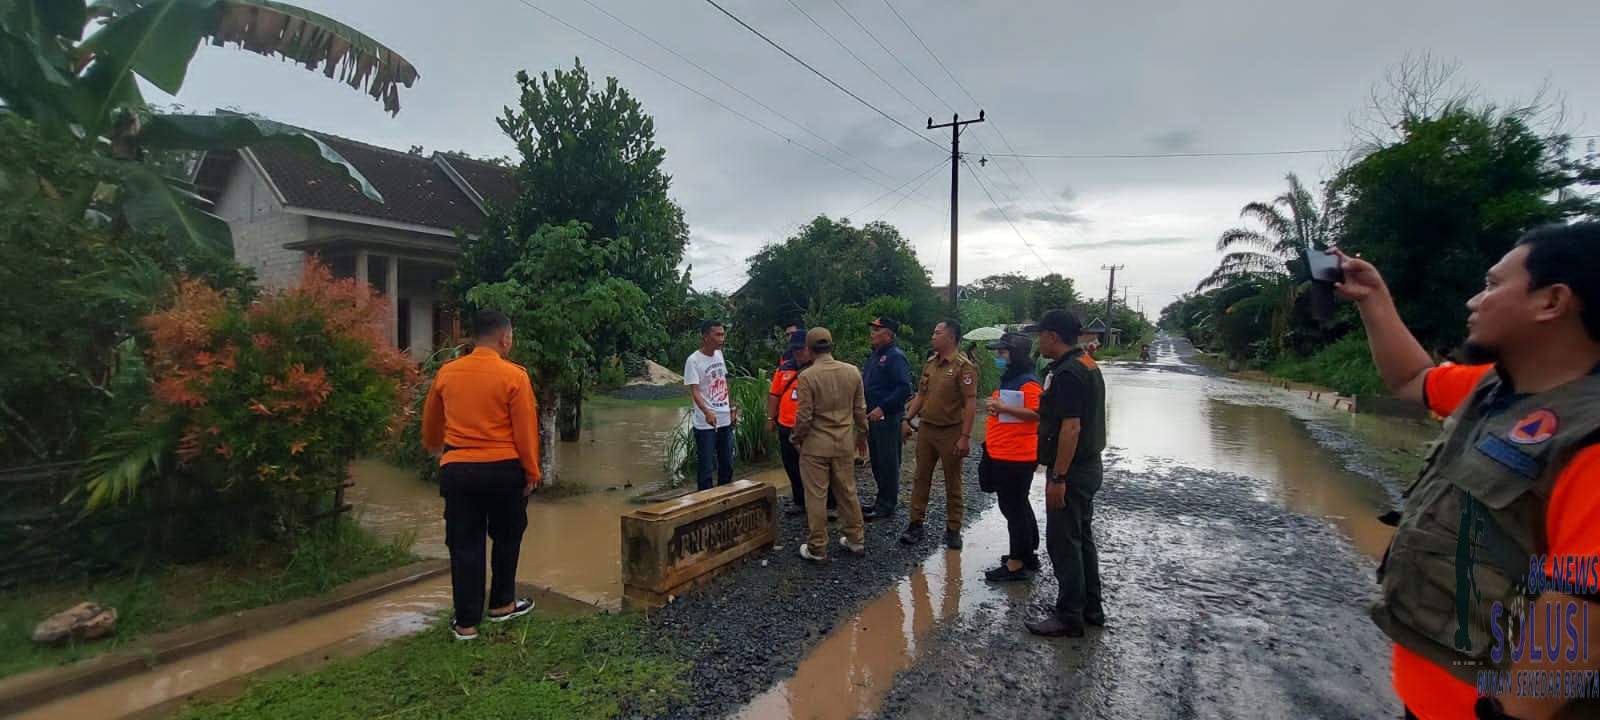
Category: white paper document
<point>1012,398</point>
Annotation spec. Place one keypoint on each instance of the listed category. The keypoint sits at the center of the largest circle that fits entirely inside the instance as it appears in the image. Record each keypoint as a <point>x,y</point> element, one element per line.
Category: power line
<point>926,177</point>
<point>982,146</point>
<point>731,86</point>
<point>932,54</point>
<point>820,74</point>
<point>892,191</point>
<point>702,95</point>
<point>857,58</point>
<point>891,54</point>
<point>1007,217</point>
<point>1129,156</point>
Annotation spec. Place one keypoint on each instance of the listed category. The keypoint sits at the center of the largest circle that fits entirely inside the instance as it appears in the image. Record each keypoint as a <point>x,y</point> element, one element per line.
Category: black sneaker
<point>1005,574</point>
<point>873,513</point>
<point>913,535</point>
<point>1095,617</point>
<point>1054,626</point>
<point>1029,562</point>
<point>795,509</point>
<point>952,539</point>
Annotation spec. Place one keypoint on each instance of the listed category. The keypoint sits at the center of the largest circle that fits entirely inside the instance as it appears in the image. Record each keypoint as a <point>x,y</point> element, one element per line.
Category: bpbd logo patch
<point>1537,427</point>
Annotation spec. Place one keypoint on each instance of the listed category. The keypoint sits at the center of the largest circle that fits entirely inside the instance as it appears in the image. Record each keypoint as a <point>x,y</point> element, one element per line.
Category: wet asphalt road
<point>1228,595</point>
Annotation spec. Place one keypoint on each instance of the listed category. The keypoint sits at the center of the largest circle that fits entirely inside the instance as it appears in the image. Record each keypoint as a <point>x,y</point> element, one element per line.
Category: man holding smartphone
<point>1072,434</point>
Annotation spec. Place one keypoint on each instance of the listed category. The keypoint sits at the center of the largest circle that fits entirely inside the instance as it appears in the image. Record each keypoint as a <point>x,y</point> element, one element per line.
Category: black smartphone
<point>1325,271</point>
<point>1324,266</point>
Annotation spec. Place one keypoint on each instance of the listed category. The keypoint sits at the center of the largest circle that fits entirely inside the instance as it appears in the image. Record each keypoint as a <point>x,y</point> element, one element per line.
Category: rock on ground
<point>83,622</point>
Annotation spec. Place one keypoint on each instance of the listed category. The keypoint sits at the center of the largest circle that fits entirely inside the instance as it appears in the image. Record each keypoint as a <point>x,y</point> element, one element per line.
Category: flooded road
<point>1237,526</point>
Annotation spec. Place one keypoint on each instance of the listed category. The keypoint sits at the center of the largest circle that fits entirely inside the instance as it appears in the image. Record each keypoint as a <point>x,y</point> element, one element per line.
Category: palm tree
<point>1274,257</point>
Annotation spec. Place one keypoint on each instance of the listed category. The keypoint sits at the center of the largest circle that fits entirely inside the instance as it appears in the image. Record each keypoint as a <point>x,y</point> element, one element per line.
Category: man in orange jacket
<point>482,416</point>
<point>1493,562</point>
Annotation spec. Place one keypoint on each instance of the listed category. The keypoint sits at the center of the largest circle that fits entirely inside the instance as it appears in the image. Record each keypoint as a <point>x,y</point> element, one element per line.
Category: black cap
<point>889,324</point>
<point>797,339</point>
<point>1060,322</point>
<point>1010,341</point>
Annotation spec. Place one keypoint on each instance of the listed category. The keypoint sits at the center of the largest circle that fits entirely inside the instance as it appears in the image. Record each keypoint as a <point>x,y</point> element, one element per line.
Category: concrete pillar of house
<point>361,268</point>
<point>391,292</point>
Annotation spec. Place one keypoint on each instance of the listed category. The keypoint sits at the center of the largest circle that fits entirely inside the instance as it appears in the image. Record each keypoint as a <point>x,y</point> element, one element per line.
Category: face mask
<point>1000,363</point>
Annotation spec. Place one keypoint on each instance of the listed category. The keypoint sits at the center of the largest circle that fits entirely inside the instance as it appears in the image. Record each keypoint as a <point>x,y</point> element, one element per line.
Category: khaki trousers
<point>938,445</point>
<point>820,475</point>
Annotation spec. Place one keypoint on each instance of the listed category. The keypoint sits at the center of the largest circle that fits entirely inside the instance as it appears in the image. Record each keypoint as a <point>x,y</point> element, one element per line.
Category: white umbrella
<point>985,334</point>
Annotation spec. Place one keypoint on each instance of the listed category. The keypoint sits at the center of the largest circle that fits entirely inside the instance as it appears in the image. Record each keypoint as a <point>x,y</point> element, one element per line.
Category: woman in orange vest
<point>1011,454</point>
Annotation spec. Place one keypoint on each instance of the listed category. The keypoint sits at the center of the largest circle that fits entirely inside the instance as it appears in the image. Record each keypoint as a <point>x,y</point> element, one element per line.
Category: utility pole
<point>955,125</point>
<point>1111,290</point>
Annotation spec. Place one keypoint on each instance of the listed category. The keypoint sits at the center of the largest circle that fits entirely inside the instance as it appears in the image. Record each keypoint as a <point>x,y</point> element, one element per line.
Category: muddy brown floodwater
<point>572,545</point>
<point>1218,470</point>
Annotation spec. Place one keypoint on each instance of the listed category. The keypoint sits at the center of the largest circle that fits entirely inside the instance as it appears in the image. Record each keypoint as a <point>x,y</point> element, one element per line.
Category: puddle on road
<point>1158,415</point>
<point>851,670</point>
<point>572,545</point>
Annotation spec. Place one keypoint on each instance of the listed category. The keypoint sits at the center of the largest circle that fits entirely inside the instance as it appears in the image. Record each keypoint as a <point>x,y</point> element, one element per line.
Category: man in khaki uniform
<point>830,427</point>
<point>941,414</point>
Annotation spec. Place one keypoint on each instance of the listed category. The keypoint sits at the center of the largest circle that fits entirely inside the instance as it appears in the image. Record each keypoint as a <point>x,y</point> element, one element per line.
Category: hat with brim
<point>819,339</point>
<point>797,339</point>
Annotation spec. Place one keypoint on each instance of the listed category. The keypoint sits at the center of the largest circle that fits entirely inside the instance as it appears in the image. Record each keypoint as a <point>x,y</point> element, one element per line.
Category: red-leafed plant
<point>268,400</point>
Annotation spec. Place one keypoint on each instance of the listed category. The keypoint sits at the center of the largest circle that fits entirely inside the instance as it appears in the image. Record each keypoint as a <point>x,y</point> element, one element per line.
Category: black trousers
<point>1069,536</point>
<point>885,443</point>
<point>1012,482</point>
<point>482,498</point>
<point>791,467</point>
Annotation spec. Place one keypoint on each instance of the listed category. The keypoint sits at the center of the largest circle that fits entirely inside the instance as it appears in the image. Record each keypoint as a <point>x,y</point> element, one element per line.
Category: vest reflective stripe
<point>1475,516</point>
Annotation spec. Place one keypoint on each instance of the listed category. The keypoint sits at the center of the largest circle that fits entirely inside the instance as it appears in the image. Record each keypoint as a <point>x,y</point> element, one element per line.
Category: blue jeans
<point>884,443</point>
<point>713,450</point>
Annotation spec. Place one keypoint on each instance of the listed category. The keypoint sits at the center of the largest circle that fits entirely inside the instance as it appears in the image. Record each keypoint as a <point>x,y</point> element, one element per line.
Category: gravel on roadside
<point>751,626</point>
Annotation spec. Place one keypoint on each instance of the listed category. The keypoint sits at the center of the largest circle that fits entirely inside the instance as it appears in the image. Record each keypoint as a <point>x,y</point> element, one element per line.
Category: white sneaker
<point>522,606</point>
<point>805,552</point>
<point>858,549</point>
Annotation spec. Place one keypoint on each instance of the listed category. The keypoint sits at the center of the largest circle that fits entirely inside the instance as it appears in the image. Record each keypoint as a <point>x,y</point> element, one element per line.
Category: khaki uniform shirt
<point>947,385</point>
<point>832,409</point>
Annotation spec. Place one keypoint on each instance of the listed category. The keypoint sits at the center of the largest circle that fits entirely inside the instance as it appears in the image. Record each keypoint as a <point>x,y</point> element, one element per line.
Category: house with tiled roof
<point>284,207</point>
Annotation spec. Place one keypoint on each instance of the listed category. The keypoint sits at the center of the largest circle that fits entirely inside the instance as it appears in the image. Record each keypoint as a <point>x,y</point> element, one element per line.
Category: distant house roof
<point>442,191</point>
<point>1097,326</point>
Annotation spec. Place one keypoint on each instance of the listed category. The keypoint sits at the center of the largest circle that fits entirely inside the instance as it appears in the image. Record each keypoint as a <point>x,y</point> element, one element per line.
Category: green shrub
<point>1346,366</point>
<point>612,375</point>
<point>267,402</point>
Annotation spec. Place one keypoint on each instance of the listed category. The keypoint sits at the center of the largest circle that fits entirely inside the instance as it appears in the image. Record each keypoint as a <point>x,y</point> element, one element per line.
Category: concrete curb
<point>21,692</point>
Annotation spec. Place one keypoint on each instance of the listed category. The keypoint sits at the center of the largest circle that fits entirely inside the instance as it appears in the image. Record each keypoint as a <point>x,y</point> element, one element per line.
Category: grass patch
<point>599,666</point>
<point>1346,366</point>
<point>166,597</point>
<point>610,401</point>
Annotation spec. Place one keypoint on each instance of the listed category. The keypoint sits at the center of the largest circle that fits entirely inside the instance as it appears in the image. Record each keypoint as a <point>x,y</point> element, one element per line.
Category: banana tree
<point>72,67</point>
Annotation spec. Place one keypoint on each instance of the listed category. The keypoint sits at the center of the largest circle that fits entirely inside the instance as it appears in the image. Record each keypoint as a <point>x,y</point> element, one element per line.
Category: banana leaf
<point>231,132</point>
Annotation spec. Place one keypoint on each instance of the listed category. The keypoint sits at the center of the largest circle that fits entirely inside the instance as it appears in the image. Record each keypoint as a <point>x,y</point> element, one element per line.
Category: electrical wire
<point>731,86</point>
<point>702,95</point>
<point>820,74</point>
<point>927,176</point>
<point>857,58</point>
<point>1007,217</point>
<point>1132,156</point>
<point>920,176</point>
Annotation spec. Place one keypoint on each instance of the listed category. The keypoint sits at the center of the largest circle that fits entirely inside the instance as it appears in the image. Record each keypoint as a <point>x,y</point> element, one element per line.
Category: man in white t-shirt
<point>714,413</point>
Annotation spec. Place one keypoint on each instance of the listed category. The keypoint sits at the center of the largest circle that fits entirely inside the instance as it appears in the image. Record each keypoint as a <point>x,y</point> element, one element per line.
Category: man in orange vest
<point>1496,558</point>
<point>481,417</point>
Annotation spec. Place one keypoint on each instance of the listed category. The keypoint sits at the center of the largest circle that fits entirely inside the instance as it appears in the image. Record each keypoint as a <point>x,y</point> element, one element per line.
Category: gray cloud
<point>1126,243</point>
<point>1169,87</point>
<point>1053,217</point>
<point>1174,141</point>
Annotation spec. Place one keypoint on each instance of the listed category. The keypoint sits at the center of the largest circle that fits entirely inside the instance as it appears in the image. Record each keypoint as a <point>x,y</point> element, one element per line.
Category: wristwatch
<point>1054,479</point>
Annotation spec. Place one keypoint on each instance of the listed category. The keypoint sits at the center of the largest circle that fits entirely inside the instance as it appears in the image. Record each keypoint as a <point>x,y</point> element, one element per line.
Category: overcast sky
<point>1054,77</point>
